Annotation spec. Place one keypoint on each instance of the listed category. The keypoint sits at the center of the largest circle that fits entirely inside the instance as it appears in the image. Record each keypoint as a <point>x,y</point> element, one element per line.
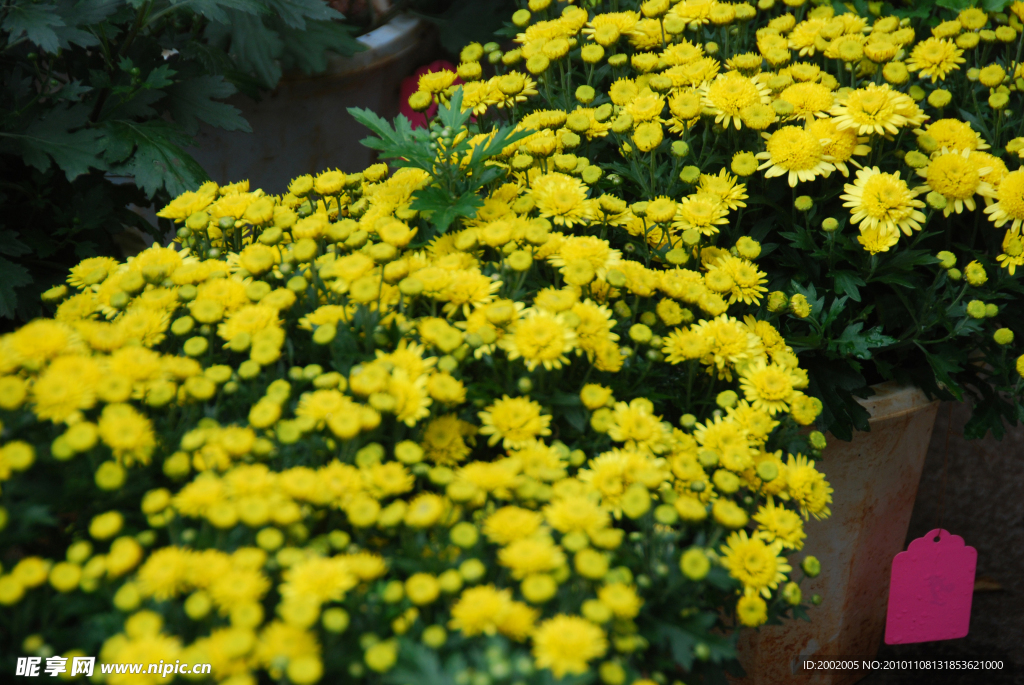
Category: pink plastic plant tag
<point>931,590</point>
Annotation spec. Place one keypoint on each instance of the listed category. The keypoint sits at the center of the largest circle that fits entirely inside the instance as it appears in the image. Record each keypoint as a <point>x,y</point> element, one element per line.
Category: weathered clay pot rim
<point>893,400</point>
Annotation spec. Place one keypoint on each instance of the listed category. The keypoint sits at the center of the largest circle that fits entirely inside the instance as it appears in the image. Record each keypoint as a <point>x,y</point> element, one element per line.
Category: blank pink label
<point>931,590</point>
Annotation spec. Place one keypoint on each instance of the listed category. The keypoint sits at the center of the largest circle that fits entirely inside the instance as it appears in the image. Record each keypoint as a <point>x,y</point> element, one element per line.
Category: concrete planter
<point>875,478</point>
<point>303,127</point>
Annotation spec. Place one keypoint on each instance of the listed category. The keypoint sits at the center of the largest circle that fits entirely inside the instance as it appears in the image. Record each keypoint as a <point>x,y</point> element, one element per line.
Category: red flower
<point>411,84</point>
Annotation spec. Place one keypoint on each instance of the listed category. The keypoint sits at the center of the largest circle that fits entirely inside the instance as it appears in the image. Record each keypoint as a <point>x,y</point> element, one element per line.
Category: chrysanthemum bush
<point>317,440</point>
<point>875,154</point>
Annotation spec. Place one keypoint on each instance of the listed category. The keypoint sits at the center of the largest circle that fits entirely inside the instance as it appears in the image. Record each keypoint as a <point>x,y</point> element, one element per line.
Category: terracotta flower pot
<point>875,479</point>
<point>302,126</point>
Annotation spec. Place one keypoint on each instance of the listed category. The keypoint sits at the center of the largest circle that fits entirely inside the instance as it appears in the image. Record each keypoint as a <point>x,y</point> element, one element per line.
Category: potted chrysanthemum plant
<point>399,426</point>
<point>873,164</point>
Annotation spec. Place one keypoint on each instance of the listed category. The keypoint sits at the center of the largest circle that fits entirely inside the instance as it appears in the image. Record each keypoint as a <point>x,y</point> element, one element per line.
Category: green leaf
<point>944,366</point>
<point>308,48</point>
<point>77,15</point>
<point>55,136</point>
<point>160,77</point>
<point>502,138</point>
<point>417,664</point>
<point>834,383</point>
<point>86,12</point>
<point>955,5</point>
<point>445,208</point>
<point>159,163</point>
<point>195,99</point>
<point>12,277</point>
<point>10,245</point>
<point>255,47</point>
<point>837,308</point>
<point>73,91</point>
<point>800,239</point>
<point>856,344</point>
<point>219,11</point>
<point>36,21</point>
<point>680,642</point>
<point>401,143</point>
<point>452,115</point>
<point>849,283</point>
<point>294,13</point>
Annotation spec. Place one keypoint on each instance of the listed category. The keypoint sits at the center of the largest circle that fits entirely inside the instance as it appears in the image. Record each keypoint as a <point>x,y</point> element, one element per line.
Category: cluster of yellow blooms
<point>325,426</point>
<point>815,117</point>
<point>306,439</point>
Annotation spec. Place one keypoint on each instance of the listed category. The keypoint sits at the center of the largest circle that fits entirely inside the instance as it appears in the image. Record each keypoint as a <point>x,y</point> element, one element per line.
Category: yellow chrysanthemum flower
<point>514,421</point>
<point>952,175</point>
<point>809,100</point>
<point>729,93</point>
<point>704,212</point>
<point>807,487</point>
<point>935,58</point>
<point>875,109</point>
<point>727,187</point>
<point>954,135</point>
<point>779,523</point>
<point>540,338</point>
<point>1009,203</point>
<point>566,644</point>
<point>754,563</point>
<point>839,144</point>
<point>884,202</point>
<point>796,153</point>
<point>561,198</point>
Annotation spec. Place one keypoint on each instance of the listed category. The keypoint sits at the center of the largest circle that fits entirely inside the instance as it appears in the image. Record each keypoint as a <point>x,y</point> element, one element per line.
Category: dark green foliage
<point>96,94</point>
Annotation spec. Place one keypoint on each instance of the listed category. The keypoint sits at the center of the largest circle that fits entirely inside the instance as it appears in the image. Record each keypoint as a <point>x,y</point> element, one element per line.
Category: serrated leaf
<point>849,284</point>
<point>833,382</point>
<point>255,47</point>
<point>837,308</point>
<point>35,22</point>
<point>400,143</point>
<point>58,136</point>
<point>502,138</point>
<point>452,115</point>
<point>74,17</point>
<point>295,13</point>
<point>160,77</point>
<point>800,239</point>
<point>680,642</point>
<point>857,344</point>
<point>12,277</point>
<point>308,48</point>
<point>194,100</point>
<point>417,664</point>
<point>10,245</point>
<point>220,10</point>
<point>158,161</point>
<point>86,12</point>
<point>118,145</point>
<point>445,208</point>
<point>944,366</point>
<point>73,91</point>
